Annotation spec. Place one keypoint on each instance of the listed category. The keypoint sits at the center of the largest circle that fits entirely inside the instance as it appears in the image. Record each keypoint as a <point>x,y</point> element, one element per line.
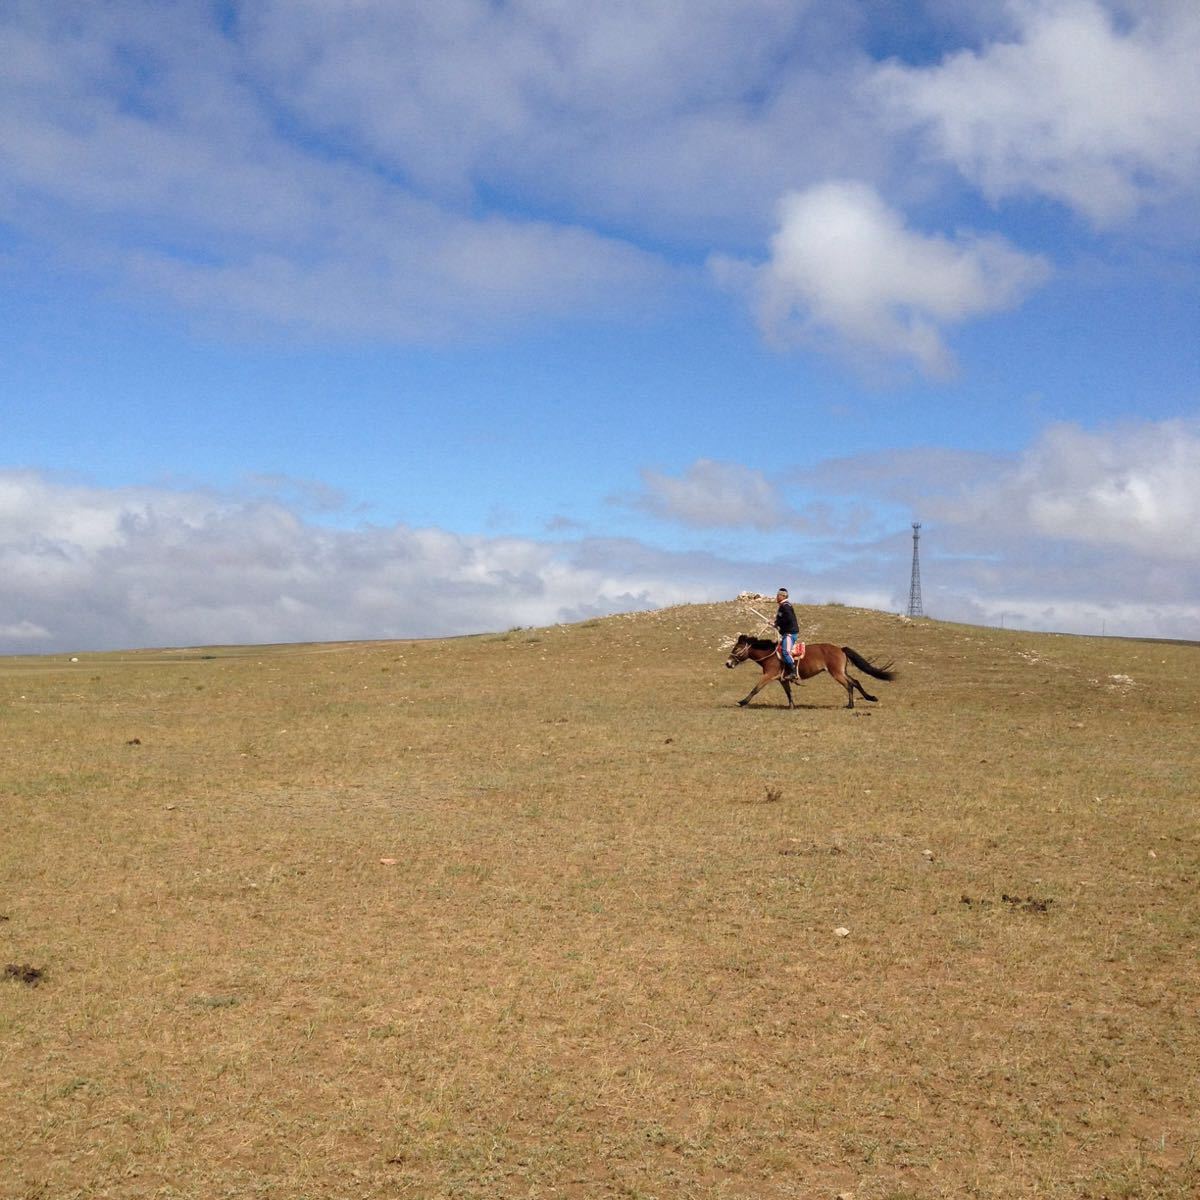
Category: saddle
<point>797,652</point>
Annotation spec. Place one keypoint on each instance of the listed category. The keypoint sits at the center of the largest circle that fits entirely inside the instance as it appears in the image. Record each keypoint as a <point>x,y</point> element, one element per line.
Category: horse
<point>818,657</point>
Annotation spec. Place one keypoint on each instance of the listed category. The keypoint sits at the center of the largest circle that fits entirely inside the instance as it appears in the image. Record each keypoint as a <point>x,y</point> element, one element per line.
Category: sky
<point>330,320</point>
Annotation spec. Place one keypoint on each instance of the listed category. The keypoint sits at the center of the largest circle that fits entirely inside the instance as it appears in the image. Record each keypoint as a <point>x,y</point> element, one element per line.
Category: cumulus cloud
<point>1090,104</point>
<point>84,567</point>
<point>1130,488</point>
<point>845,270</point>
<point>1133,488</point>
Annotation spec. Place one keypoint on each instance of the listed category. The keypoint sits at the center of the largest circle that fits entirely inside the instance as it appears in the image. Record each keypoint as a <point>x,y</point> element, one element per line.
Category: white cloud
<point>21,632</point>
<point>1083,532</point>
<point>391,275</point>
<point>417,172</point>
<point>675,118</point>
<point>1130,491</point>
<point>425,172</point>
<point>846,271</point>
<point>76,521</point>
<point>1133,488</point>
<point>715,495</point>
<point>429,171</point>
<point>1082,105</point>
<point>91,567</point>
<point>179,181</point>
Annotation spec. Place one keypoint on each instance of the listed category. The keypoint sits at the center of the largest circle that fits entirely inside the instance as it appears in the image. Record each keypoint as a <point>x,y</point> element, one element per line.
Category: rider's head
<point>781,595</point>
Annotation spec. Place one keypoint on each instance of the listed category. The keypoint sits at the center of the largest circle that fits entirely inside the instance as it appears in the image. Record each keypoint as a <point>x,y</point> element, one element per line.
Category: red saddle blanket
<point>797,652</point>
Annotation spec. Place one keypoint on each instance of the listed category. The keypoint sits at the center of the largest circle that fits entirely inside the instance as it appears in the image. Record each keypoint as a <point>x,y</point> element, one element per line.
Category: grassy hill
<point>544,914</point>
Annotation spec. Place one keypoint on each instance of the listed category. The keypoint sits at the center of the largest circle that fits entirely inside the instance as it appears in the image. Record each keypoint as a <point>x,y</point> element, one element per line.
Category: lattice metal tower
<point>914,588</point>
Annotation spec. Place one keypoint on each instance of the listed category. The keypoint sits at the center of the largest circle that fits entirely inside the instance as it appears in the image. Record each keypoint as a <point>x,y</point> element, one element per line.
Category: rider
<point>789,630</point>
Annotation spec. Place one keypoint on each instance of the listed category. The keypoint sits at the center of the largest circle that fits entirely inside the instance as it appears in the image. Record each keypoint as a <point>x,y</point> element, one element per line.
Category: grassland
<point>542,914</point>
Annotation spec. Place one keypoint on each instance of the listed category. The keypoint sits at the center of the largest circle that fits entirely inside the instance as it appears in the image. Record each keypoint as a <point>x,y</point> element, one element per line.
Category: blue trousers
<point>785,648</point>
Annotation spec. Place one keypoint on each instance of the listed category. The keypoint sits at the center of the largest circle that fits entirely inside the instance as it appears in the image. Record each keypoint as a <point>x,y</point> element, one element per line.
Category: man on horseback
<point>789,631</point>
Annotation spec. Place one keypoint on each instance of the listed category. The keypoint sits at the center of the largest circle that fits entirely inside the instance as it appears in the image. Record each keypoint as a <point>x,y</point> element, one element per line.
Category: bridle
<point>745,651</point>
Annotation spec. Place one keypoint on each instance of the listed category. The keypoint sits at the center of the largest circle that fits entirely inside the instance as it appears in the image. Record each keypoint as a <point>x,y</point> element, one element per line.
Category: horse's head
<point>740,651</point>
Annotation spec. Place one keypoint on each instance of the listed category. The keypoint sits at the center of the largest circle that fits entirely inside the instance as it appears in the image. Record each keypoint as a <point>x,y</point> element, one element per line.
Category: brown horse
<point>818,657</point>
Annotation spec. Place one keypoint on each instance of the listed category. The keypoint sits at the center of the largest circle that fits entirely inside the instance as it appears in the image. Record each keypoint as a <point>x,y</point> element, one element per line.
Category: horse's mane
<point>763,643</point>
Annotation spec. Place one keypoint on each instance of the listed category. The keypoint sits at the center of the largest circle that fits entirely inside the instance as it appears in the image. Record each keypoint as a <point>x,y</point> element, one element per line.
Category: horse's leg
<point>758,687</point>
<point>787,687</point>
<point>865,694</point>
<point>770,671</point>
<point>838,671</point>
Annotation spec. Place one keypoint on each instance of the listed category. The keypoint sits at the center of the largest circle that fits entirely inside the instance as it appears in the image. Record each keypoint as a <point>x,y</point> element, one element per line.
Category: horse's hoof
<point>743,703</point>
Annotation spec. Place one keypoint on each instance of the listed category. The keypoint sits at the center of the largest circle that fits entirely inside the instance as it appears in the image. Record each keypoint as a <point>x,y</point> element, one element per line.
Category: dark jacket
<point>785,619</point>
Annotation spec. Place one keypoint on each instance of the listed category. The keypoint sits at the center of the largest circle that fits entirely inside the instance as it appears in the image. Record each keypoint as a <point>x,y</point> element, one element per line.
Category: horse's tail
<point>884,672</point>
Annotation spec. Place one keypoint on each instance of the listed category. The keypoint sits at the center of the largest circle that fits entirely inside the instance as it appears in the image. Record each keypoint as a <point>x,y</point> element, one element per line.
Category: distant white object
<point>74,660</point>
<point>842,931</point>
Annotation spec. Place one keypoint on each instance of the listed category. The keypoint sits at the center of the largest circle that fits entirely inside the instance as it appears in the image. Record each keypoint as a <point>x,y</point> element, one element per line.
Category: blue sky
<point>332,320</point>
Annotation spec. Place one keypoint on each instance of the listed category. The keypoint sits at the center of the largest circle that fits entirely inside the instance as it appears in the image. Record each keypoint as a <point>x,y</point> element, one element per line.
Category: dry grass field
<point>543,914</point>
